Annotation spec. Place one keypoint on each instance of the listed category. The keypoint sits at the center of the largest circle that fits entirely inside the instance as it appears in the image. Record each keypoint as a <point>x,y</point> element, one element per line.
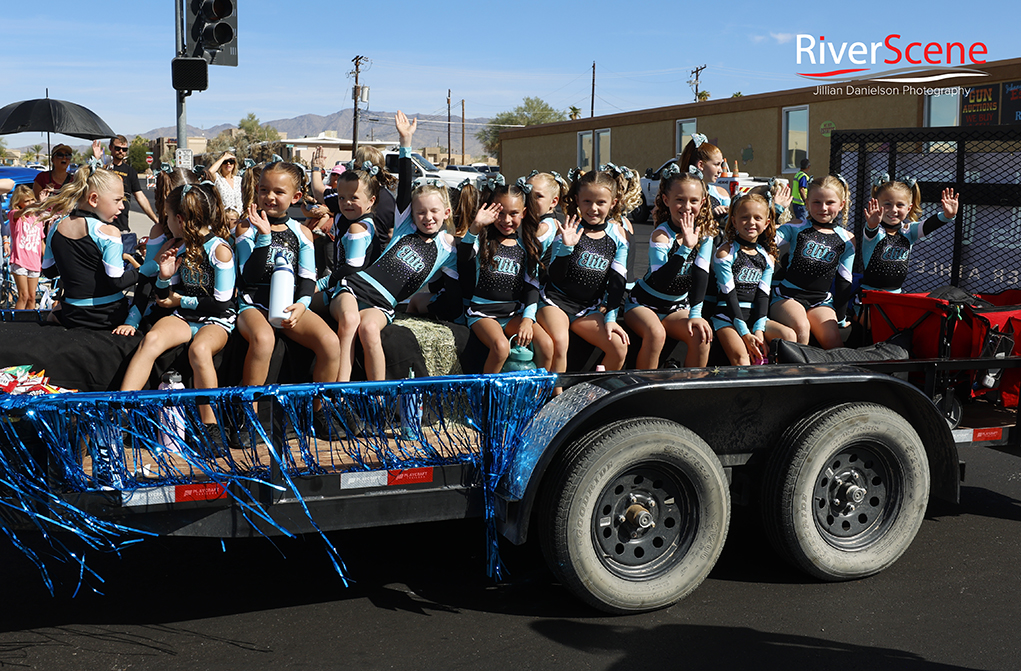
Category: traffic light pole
<point>179,49</point>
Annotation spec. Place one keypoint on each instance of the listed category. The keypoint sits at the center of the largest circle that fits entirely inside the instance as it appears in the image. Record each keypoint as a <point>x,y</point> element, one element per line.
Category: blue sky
<point>113,56</point>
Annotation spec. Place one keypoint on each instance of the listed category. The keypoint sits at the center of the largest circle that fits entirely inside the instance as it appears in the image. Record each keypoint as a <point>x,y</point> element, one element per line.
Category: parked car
<point>486,169</point>
<point>37,166</point>
<point>18,176</point>
<point>465,168</point>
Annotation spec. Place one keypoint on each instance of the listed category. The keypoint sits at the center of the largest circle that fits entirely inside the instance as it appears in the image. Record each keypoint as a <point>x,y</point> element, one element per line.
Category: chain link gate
<point>982,252</point>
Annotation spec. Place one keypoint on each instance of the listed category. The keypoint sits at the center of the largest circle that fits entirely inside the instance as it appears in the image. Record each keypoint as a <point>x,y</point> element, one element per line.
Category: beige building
<point>767,133</point>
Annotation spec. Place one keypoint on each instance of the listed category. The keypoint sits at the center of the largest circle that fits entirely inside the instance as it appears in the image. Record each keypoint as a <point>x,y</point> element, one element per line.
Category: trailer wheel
<point>634,515</point>
<point>845,493</point>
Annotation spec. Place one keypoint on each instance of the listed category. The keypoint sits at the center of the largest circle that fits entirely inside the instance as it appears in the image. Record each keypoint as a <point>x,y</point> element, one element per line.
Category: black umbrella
<point>54,116</point>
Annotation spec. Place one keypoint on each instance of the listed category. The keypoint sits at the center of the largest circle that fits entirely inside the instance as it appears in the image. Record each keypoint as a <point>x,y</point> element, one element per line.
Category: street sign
<point>184,158</point>
<point>148,159</point>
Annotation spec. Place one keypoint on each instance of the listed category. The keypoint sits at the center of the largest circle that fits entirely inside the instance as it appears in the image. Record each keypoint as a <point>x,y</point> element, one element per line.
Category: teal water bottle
<point>519,359</point>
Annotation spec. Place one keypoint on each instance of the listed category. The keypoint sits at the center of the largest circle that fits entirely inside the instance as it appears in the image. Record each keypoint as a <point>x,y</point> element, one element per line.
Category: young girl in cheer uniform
<point>549,190</point>
<point>821,253</point>
<point>266,233</point>
<point>498,259</point>
<point>708,158</point>
<point>587,276</point>
<point>892,229</point>
<point>680,252</point>
<point>85,250</point>
<point>167,180</point>
<point>744,269</point>
<point>195,279</point>
<point>356,247</point>
<point>422,245</point>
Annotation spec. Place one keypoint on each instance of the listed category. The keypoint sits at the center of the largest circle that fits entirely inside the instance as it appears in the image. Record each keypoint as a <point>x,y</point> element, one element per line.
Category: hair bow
<point>532,174</point>
<point>842,181</point>
<point>199,169</point>
<point>523,184</point>
<point>495,181</point>
<point>428,181</point>
<point>670,171</point>
<point>560,180</point>
<point>909,181</point>
<point>699,139</point>
<point>369,168</point>
<point>881,179</point>
<point>693,170</point>
<point>166,167</point>
<point>464,182</point>
<point>94,164</point>
<point>610,167</point>
<point>277,158</point>
<point>573,174</point>
<point>248,163</point>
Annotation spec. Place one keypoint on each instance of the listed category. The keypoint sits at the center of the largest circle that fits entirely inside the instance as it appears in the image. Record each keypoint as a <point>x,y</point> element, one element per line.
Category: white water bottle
<point>281,290</point>
<point>171,418</point>
<point>410,411</point>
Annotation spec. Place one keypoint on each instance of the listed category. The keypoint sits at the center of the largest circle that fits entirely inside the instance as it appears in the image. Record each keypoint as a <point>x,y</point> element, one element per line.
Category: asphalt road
<point>422,601</point>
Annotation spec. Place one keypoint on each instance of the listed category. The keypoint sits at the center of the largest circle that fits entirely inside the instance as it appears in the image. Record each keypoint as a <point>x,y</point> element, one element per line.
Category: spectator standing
<point>56,176</point>
<point>228,182</point>
<point>799,189</point>
<point>119,164</point>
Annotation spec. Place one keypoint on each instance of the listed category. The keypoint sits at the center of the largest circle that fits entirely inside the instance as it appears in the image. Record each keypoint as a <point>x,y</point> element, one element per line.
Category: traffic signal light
<point>212,31</point>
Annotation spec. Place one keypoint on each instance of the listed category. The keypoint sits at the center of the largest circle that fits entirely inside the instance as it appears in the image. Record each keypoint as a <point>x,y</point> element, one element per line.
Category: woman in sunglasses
<point>56,176</point>
<point>228,182</point>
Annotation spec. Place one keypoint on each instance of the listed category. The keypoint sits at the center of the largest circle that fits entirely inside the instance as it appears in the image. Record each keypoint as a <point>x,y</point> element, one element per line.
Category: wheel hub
<point>643,522</point>
<point>853,496</point>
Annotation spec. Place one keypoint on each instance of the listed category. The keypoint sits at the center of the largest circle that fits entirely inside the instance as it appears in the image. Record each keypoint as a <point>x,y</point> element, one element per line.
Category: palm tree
<point>34,152</point>
<point>3,150</point>
<point>736,94</point>
<point>575,112</point>
<point>703,96</point>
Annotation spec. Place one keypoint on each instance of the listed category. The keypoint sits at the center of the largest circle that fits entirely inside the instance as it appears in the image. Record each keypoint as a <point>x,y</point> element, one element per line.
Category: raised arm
<point>405,171</point>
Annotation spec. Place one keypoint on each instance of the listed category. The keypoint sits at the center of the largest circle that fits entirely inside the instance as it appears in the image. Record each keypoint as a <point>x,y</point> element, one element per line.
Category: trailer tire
<point>634,515</point>
<point>846,491</point>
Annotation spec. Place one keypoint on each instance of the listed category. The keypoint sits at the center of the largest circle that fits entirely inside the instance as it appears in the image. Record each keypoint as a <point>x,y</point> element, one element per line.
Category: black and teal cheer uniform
<point>354,252</point>
<point>589,274</point>
<point>147,273</point>
<point>816,262</point>
<point>92,275</point>
<point>257,253</point>
<point>885,255</point>
<point>409,261</point>
<point>206,291</point>
<point>677,276</point>
<point>501,289</point>
<point>743,281</point>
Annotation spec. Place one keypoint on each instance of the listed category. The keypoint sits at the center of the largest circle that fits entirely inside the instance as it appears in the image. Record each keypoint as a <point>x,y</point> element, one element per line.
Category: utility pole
<point>592,109</point>
<point>694,82</point>
<point>448,126</point>
<point>463,162</point>
<point>356,94</point>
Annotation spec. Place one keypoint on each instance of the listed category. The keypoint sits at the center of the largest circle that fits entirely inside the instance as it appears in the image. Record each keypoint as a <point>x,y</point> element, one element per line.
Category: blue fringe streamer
<point>55,447</point>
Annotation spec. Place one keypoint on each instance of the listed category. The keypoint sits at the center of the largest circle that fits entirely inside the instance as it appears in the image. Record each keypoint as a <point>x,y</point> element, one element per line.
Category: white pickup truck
<point>739,183</point>
<point>423,168</point>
